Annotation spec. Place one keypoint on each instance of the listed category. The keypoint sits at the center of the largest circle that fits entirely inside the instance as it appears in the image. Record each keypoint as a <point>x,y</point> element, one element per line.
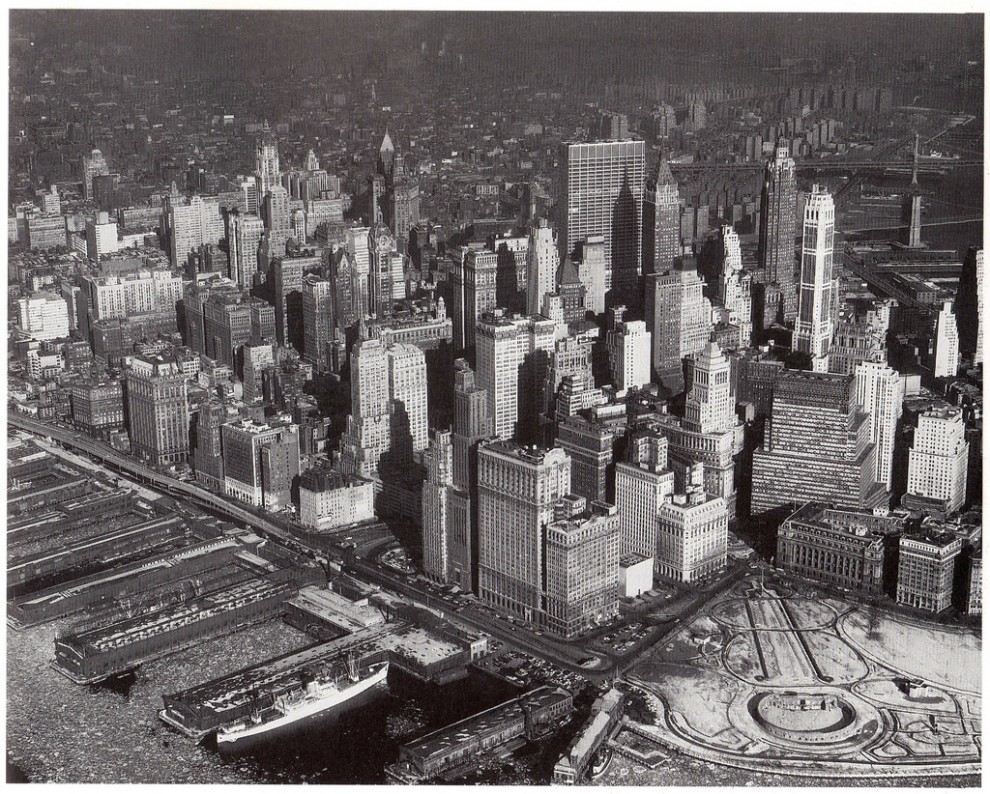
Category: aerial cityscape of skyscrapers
<point>627,411</point>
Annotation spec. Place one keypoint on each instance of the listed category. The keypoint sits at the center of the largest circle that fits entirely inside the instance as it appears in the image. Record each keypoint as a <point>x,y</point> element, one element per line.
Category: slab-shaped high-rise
<point>599,191</point>
<point>969,305</point>
<point>817,446</point>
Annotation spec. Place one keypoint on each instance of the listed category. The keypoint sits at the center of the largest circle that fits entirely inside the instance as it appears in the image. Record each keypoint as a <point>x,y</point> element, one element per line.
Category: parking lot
<point>626,638</point>
<point>527,671</point>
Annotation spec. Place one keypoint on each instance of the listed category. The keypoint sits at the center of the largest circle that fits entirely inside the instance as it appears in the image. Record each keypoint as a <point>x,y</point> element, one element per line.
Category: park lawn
<point>930,653</point>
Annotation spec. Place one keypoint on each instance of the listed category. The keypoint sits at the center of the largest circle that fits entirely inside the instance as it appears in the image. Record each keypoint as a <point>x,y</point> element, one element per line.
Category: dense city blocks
<point>587,398</point>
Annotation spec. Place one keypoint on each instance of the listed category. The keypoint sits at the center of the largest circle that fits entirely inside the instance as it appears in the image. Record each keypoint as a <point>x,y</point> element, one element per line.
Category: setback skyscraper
<point>778,219</point>
<point>680,318</point>
<point>543,263</point>
<point>819,287</point>
<point>661,220</point>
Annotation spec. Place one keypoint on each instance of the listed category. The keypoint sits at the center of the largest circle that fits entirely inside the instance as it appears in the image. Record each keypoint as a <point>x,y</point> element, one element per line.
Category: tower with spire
<point>266,161</point>
<point>778,223</point>
<point>383,183</point>
<point>661,220</point>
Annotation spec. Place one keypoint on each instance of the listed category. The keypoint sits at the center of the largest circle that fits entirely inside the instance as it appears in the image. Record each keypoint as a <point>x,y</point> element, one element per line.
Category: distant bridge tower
<point>914,167</point>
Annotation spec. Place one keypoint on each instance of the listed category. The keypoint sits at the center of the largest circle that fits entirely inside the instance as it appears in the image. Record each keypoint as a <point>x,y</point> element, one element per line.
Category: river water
<point>957,195</point>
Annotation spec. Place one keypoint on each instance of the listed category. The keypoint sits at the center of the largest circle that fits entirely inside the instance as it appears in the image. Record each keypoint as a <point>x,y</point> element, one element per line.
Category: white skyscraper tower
<point>734,288</point>
<point>266,163</point>
<point>244,233</point>
<point>632,346</point>
<point>937,462</point>
<point>513,356</point>
<point>817,288</point>
<point>407,391</point>
<point>880,390</point>
<point>543,261</point>
<point>368,433</point>
<point>946,343</point>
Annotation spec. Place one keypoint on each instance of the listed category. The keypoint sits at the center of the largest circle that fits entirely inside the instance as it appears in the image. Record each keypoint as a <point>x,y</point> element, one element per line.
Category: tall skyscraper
<point>778,219</point>
<point>208,452</point>
<point>244,233</point>
<point>733,291</point>
<point>680,318</point>
<point>543,263</point>
<point>937,462</point>
<point>260,462</point>
<point>474,282</point>
<point>591,446</point>
<point>630,351</point>
<point>409,403</point>
<point>158,410</point>
<point>368,433</point>
<point>513,357</point>
<point>439,460</point>
<point>286,275</point>
<point>818,295</point>
<point>405,211</point>
<point>599,192</point>
<point>257,358</point>
<point>946,353</point>
<point>880,390</point>
<point>709,406</point>
<point>472,425</point>
<point>661,221</point>
<point>275,209</point>
<point>93,164</point>
<point>860,336</point>
<point>386,280</point>
<point>643,482</point>
<point>383,183</point>
<point>318,321</point>
<point>517,487</point>
<point>692,532</point>
<point>358,245</point>
<point>188,224</point>
<point>817,446</point>
<point>266,163</point>
<point>592,271</point>
<point>570,382</point>
<point>969,305</point>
